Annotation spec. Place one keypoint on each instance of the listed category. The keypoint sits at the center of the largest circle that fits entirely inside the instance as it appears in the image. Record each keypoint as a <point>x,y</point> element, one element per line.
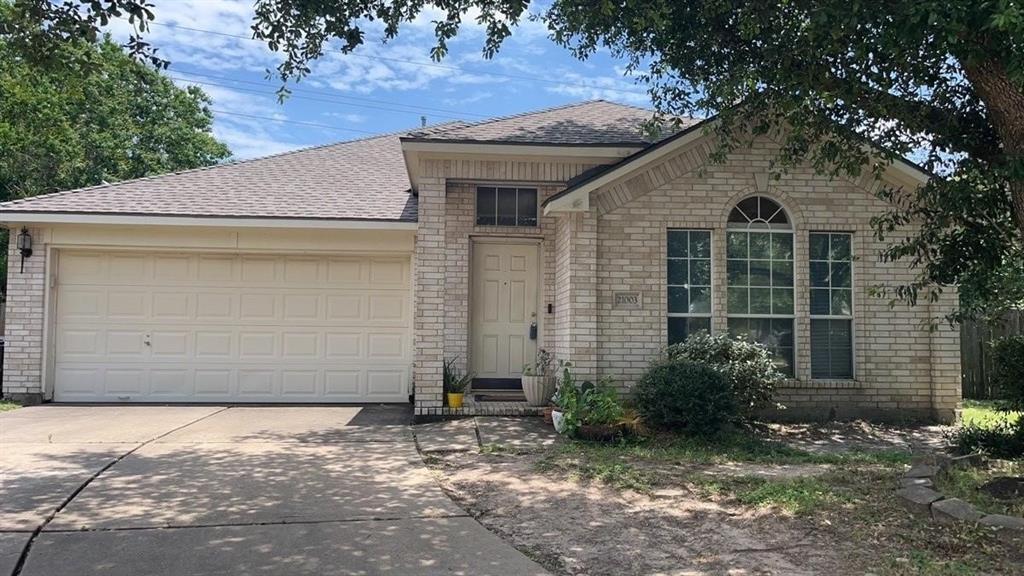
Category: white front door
<point>504,293</point>
<point>198,327</point>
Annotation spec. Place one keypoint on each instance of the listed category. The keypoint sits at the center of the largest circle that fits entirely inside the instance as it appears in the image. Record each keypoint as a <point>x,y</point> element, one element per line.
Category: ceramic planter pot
<point>455,400</point>
<point>558,419</point>
<point>538,389</point>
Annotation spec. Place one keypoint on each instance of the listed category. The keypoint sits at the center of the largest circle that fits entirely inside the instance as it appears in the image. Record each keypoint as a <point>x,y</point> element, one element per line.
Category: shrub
<point>1003,439</point>
<point>1008,358</point>
<point>747,366</point>
<point>685,396</point>
<point>587,404</point>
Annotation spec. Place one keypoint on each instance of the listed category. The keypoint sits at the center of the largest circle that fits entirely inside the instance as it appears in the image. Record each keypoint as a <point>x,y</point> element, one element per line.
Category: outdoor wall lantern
<point>24,246</point>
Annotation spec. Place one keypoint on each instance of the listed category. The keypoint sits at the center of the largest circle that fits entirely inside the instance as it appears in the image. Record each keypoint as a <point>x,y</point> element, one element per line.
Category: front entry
<point>504,308</point>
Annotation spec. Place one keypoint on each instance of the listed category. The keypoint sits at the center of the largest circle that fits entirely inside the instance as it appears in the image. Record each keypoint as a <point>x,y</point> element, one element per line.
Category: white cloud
<point>350,117</point>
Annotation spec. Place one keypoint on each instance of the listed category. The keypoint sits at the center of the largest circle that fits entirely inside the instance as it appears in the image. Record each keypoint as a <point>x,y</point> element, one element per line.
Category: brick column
<point>23,338</point>
<point>429,307</point>
<point>582,341</point>
<point>945,362</point>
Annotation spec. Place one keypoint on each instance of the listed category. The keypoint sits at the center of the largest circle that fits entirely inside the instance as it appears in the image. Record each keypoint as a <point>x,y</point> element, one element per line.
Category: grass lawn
<point>983,413</point>
<point>6,405</point>
<point>847,495</point>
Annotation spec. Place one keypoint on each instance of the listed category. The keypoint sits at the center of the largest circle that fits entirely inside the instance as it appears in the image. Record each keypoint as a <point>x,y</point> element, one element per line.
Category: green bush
<point>747,366</point>
<point>1008,359</point>
<point>685,396</point>
<point>1004,439</point>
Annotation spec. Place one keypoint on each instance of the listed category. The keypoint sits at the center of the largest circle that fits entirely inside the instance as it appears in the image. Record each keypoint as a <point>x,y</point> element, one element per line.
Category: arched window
<point>759,272</point>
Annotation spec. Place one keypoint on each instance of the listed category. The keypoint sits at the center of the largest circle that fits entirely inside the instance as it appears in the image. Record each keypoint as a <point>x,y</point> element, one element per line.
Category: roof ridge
<point>58,193</point>
<point>528,113</point>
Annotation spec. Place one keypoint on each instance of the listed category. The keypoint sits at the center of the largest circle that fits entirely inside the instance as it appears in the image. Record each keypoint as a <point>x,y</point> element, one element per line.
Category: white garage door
<point>165,327</point>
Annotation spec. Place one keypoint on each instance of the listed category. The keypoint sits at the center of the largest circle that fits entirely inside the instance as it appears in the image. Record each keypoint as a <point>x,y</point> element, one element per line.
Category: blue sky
<point>379,88</point>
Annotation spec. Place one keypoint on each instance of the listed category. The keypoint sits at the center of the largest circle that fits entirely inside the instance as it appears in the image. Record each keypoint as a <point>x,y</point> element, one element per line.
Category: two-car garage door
<point>206,327</point>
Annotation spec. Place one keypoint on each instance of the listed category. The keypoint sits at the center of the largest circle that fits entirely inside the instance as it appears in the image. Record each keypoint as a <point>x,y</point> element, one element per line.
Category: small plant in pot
<point>455,383</point>
<point>539,379</point>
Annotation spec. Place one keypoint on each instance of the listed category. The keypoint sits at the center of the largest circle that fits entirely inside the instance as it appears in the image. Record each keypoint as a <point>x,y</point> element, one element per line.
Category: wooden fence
<point>976,355</point>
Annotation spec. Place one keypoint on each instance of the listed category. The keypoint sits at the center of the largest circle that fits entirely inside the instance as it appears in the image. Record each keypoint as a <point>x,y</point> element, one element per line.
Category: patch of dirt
<point>1004,487</point>
<point>838,437</point>
<point>587,528</point>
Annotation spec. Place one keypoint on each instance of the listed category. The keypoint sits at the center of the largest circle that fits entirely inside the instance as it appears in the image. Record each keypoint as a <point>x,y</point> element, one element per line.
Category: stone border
<point>918,495</point>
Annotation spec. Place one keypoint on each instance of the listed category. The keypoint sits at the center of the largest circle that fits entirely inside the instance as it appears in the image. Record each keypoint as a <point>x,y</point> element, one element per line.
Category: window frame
<point>761,225</point>
<point>851,318</point>
<point>497,214</point>
<point>710,285</point>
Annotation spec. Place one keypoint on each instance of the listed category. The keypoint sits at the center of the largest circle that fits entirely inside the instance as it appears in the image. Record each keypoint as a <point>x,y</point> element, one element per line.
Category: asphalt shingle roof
<point>596,122</point>
<point>357,180</point>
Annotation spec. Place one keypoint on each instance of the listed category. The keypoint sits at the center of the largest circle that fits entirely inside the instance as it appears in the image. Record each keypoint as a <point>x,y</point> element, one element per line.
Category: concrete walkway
<point>197,490</point>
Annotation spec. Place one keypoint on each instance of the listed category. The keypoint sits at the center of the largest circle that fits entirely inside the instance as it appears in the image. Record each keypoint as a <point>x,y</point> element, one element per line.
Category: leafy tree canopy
<point>945,77</point>
<point>64,127</point>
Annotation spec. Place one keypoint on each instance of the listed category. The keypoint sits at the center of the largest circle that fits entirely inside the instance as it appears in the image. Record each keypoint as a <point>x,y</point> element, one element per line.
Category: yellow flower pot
<point>455,400</point>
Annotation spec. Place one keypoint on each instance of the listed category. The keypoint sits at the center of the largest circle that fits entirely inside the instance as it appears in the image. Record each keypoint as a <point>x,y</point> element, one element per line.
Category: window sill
<point>822,384</point>
<point>506,229</point>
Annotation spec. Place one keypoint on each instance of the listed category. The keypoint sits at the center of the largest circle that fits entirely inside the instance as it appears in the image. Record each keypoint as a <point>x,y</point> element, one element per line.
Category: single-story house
<point>351,272</point>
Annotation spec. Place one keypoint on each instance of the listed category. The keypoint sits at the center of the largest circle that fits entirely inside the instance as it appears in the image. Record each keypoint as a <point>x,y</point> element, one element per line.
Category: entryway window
<point>831,275</point>
<point>497,206</point>
<point>759,270</point>
<point>689,283</point>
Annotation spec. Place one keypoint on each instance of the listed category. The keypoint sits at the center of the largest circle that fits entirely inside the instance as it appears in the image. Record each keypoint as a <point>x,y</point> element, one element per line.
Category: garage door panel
<point>222,328</point>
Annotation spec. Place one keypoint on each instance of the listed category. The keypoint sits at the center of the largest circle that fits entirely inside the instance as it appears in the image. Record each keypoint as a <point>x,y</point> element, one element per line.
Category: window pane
<point>840,246</point>
<point>760,273</point>
<point>832,349</point>
<point>782,300</point>
<point>782,273</point>
<point>677,271</point>
<point>819,301</point>
<point>485,207</point>
<point>678,302</point>
<point>820,349</point>
<point>736,244</point>
<point>840,274</point>
<point>700,272</point>
<point>506,206</point>
<point>679,329</point>
<point>677,244</point>
<point>527,215</point>
<point>819,247</point>
<point>760,245</point>
<point>700,300</point>
<point>819,274</point>
<point>760,301</point>
<point>737,301</point>
<point>749,207</point>
<point>700,244</point>
<point>841,303</point>
<point>737,272</point>
<point>782,246</point>
<point>739,328</point>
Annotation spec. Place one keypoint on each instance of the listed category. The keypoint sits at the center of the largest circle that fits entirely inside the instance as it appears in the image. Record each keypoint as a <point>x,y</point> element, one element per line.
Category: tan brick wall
<point>24,327</point>
<point>451,222</point>
<point>901,368</point>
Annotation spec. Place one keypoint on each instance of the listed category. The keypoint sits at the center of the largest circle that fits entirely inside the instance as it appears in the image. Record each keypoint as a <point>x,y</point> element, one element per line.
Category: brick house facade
<point>606,204</point>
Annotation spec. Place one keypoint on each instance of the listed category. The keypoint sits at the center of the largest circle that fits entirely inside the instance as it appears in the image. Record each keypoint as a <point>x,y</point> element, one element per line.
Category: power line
<point>339,98</point>
<point>299,122</point>
<point>415,63</point>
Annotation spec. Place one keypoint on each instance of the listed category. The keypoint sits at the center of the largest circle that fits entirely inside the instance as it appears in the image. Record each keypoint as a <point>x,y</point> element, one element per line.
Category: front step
<point>505,395</point>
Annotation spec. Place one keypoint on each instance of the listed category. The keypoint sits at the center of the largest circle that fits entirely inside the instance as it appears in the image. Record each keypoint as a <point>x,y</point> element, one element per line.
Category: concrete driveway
<point>195,490</point>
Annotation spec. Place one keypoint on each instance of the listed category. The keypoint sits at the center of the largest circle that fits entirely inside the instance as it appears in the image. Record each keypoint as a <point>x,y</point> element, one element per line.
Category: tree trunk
<point>1005,103</point>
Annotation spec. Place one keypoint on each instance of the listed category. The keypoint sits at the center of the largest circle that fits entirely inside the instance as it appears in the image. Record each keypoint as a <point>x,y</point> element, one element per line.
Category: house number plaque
<point>628,301</point>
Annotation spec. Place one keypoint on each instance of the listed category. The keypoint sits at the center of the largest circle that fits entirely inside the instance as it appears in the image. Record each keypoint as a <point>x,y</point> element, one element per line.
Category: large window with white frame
<point>689,283</point>
<point>831,279</point>
<point>759,273</point>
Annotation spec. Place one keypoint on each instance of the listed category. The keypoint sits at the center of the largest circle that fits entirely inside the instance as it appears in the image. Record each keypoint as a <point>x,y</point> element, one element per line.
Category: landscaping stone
<point>918,499</point>
<point>1009,527</point>
<point>952,510</point>
<point>908,482</point>
<point>922,471</point>
<point>968,460</point>
<point>447,436</point>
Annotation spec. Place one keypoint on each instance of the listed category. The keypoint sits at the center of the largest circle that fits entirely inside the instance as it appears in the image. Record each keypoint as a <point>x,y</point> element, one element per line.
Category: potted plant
<point>565,398</point>
<point>599,413</point>
<point>455,383</point>
<point>538,379</point>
